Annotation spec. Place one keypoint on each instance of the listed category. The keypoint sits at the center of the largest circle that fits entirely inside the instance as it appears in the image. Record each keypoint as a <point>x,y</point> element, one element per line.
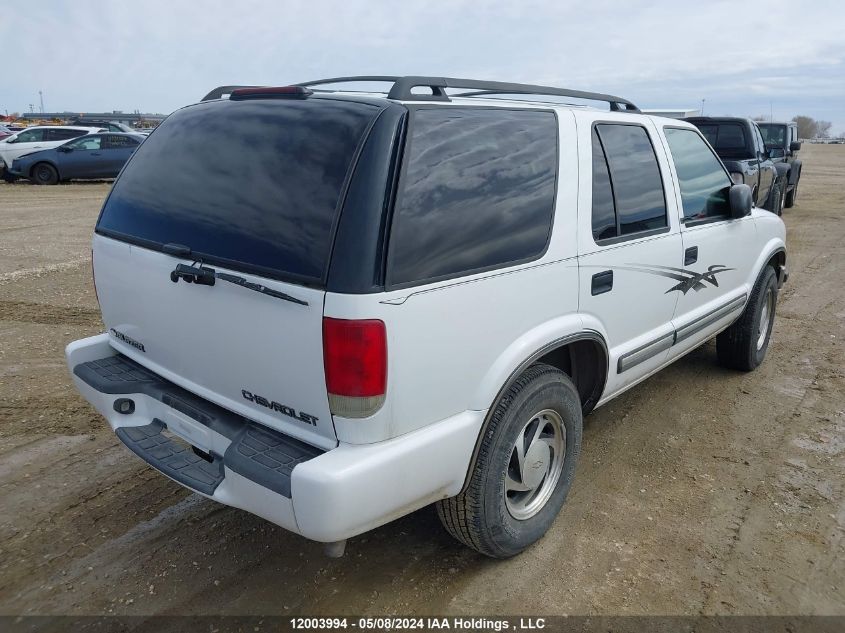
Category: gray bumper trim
<point>256,452</point>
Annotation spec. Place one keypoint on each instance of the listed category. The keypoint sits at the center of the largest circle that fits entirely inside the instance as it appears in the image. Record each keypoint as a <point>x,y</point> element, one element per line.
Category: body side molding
<point>665,341</point>
<point>644,352</point>
<point>711,317</point>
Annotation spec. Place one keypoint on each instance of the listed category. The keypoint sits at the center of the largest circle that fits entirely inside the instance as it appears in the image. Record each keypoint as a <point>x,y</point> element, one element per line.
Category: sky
<point>744,58</point>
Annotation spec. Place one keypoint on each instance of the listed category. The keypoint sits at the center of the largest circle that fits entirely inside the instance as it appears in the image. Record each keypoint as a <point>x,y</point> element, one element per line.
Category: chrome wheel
<point>766,314</point>
<point>535,465</point>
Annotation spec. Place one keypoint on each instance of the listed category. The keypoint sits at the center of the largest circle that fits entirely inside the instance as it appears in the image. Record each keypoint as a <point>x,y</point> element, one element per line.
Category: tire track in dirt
<point>44,314</point>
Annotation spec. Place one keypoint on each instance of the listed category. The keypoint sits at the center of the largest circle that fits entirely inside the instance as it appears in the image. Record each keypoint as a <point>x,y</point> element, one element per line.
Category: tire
<point>43,174</point>
<point>775,202</point>
<point>744,344</point>
<point>792,196</point>
<point>485,516</point>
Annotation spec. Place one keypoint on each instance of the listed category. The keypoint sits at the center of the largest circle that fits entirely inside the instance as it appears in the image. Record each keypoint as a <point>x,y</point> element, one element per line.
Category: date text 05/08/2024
<point>418,624</point>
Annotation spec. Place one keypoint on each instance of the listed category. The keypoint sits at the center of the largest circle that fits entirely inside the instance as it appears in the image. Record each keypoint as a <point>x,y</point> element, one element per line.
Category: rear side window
<point>703,181</point>
<point>627,188</point>
<point>478,192</point>
<point>254,185</point>
<point>117,142</point>
<point>62,134</point>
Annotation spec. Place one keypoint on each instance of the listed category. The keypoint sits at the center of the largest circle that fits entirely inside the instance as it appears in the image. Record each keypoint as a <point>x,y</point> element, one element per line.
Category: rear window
<point>774,135</point>
<point>726,138</point>
<point>478,192</point>
<point>253,185</point>
<point>62,134</point>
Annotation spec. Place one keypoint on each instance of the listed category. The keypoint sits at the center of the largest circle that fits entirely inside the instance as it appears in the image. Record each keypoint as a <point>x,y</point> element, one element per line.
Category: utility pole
<point>41,97</point>
<point>31,108</point>
<point>702,106</point>
<point>771,113</point>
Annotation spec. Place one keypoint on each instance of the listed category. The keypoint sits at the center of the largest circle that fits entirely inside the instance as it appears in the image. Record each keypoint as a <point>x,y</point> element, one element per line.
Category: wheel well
<point>777,261</point>
<point>585,362</point>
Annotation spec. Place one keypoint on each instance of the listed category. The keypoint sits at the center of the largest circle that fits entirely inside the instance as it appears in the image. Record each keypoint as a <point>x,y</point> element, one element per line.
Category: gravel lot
<point>701,491</point>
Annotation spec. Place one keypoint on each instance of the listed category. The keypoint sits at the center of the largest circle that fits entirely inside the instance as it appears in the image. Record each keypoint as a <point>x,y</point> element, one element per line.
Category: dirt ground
<point>701,491</point>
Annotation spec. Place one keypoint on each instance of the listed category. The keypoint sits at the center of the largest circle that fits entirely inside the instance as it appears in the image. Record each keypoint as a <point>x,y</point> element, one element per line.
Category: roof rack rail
<point>218,92</point>
<point>342,80</point>
<point>403,86</point>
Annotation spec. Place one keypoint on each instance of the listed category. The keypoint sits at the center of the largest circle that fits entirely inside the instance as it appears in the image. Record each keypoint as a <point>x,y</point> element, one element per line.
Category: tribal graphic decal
<point>688,279</point>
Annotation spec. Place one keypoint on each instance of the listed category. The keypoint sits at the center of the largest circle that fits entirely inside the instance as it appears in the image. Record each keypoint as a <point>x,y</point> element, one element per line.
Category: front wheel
<point>524,467</point>
<point>44,174</point>
<point>744,344</point>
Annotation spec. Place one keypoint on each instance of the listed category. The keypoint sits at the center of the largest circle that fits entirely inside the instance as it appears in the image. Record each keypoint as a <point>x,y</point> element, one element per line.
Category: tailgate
<point>254,354</point>
<point>252,187</point>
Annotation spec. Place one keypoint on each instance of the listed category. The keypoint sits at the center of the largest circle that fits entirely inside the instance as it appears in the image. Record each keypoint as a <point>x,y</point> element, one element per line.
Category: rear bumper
<point>326,496</point>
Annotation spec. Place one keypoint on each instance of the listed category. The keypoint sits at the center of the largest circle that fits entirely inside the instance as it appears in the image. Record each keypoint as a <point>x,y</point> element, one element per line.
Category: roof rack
<point>403,86</point>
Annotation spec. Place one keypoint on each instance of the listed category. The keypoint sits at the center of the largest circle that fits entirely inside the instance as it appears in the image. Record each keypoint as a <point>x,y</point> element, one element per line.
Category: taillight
<point>355,359</point>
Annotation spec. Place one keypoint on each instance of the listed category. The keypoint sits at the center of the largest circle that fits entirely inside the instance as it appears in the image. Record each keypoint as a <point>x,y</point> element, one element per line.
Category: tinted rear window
<point>774,134</point>
<point>250,184</point>
<point>478,193</point>
<point>728,139</point>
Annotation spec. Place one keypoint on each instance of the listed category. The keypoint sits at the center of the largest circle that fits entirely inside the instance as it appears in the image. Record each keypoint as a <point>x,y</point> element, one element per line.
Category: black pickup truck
<point>739,143</point>
<point>782,142</point>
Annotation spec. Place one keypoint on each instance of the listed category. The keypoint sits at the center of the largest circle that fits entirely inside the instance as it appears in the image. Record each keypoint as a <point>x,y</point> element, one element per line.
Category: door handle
<point>690,255</point>
<point>602,282</point>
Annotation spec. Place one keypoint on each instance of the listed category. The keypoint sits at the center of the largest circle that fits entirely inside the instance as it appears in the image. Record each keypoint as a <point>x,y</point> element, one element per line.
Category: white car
<point>379,302</point>
<point>36,138</point>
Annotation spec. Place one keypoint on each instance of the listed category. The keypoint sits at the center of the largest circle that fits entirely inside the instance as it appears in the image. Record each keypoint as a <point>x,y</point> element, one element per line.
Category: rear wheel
<point>524,466</point>
<point>744,344</point>
<point>775,203</point>
<point>44,174</point>
<point>792,196</point>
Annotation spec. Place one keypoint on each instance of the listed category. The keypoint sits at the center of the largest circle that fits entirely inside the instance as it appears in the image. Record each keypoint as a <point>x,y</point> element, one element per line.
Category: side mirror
<point>795,146</point>
<point>740,200</point>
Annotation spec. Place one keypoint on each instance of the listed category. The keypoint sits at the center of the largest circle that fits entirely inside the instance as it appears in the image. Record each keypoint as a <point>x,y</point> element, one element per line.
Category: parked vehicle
<point>112,126</point>
<point>739,143</point>
<point>5,132</point>
<point>781,140</point>
<point>90,156</point>
<point>36,138</point>
<point>378,302</point>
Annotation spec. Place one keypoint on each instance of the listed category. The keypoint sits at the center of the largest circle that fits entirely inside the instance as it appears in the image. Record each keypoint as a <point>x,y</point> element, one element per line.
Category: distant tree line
<point>808,127</point>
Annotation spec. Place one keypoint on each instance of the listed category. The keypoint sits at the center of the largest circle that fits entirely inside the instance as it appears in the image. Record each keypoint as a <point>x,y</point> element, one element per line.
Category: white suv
<point>34,139</point>
<point>377,302</point>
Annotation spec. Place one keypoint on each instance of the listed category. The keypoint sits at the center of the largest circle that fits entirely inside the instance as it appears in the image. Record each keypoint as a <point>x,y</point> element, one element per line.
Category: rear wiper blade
<point>204,276</point>
<point>240,281</point>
